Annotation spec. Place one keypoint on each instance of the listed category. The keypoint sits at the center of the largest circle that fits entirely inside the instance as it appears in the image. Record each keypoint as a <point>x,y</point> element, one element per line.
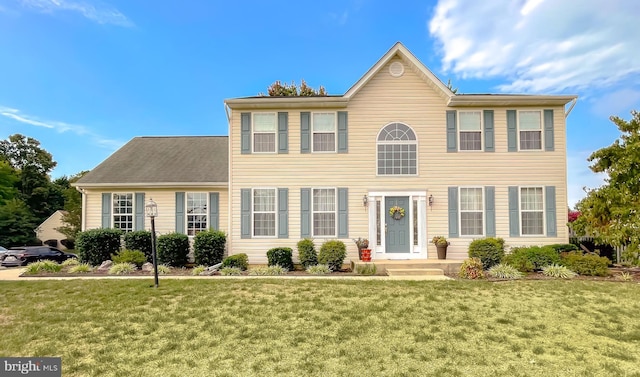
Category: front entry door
<point>397,230</point>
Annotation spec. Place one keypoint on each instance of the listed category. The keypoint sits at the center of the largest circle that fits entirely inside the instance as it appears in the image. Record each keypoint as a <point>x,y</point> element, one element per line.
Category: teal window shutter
<point>490,210</point>
<point>139,223</point>
<point>283,213</point>
<point>548,130</point>
<point>550,200</point>
<point>489,143</point>
<point>512,131</point>
<point>343,134</point>
<point>106,210</point>
<point>245,213</point>
<point>453,212</point>
<point>305,132</point>
<point>214,210</point>
<point>305,212</point>
<point>245,133</point>
<point>514,212</point>
<point>283,132</point>
<point>452,143</point>
<point>343,212</point>
<point>180,220</point>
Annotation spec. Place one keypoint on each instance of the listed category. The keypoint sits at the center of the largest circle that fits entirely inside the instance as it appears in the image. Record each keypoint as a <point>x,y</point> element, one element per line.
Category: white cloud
<point>539,45</point>
<point>60,127</point>
<point>93,10</point>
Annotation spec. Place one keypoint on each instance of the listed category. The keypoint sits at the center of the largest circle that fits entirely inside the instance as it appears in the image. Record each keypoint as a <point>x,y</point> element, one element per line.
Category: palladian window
<point>397,150</point>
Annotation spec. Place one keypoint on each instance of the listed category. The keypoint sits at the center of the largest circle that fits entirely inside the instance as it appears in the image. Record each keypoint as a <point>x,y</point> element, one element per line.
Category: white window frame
<point>275,212</point>
<point>520,211</point>
<point>460,211</point>
<point>335,212</point>
<point>408,142</point>
<point>133,210</point>
<point>460,131</point>
<point>335,131</point>
<point>206,214</point>
<point>541,130</point>
<point>254,132</point>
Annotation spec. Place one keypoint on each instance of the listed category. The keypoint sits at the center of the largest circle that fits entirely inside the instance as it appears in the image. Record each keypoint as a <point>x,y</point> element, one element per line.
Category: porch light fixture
<point>365,200</point>
<point>430,200</point>
<point>151,210</point>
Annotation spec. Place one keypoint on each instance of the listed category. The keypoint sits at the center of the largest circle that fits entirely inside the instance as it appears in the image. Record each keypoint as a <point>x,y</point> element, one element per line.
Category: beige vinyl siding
<point>47,230</point>
<point>164,198</point>
<point>410,100</point>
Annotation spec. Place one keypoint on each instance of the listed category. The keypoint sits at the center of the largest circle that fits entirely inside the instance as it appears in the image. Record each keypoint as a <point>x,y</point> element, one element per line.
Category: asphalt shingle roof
<point>169,159</point>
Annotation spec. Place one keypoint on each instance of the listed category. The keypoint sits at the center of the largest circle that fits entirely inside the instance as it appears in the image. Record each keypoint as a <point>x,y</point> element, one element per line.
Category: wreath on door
<point>396,212</point>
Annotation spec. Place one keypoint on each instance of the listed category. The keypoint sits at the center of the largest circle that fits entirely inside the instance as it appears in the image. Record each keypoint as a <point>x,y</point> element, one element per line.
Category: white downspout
<point>84,208</point>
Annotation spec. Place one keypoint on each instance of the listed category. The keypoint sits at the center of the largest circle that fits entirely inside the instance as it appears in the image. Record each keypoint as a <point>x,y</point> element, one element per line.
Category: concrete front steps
<point>414,269</point>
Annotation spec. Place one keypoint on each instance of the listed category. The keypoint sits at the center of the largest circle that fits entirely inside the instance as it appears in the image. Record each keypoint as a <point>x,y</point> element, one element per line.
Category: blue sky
<point>85,76</point>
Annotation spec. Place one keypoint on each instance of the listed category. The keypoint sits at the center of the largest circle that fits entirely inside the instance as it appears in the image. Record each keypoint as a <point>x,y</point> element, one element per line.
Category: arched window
<point>397,150</point>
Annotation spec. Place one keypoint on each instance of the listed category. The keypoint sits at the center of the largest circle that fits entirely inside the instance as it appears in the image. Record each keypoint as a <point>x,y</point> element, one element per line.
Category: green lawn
<point>325,327</point>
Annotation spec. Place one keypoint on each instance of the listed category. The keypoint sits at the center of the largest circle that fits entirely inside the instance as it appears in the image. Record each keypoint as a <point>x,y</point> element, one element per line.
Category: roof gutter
<point>81,186</point>
<point>286,102</point>
<point>510,100</point>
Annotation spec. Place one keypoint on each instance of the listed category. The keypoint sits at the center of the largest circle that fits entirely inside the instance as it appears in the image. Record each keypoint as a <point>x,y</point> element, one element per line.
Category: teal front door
<point>397,229</point>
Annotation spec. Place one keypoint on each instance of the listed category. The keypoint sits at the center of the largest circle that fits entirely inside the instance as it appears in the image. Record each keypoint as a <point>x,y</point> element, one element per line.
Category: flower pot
<point>442,252</point>
<point>365,255</point>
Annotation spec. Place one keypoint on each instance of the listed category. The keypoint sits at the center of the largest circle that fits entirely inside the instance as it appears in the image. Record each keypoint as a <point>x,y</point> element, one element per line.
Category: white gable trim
<point>405,54</point>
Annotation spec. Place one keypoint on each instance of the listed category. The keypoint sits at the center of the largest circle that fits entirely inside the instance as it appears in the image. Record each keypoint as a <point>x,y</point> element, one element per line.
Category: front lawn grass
<point>271,327</point>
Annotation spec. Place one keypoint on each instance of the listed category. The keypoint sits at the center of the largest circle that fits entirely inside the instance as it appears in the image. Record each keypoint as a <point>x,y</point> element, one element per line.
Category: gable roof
<point>399,50</point>
<point>164,161</point>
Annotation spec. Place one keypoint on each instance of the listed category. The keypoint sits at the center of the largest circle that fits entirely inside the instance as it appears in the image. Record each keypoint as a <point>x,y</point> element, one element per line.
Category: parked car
<point>21,256</point>
<point>2,252</point>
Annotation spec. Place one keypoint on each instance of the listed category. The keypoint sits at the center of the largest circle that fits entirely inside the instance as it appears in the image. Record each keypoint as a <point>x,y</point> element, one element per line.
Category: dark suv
<point>21,256</point>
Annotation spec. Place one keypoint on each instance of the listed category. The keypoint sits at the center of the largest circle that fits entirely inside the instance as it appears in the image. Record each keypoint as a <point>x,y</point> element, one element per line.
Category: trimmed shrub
<point>281,256</point>
<point>173,249</point>
<point>558,271</point>
<point>198,270</point>
<point>69,244</point>
<point>240,261</point>
<point>208,247</point>
<point>230,271</point>
<point>471,269</point>
<point>531,258</point>
<point>122,269</point>
<point>139,240</point>
<point>81,268</point>
<point>332,253</point>
<point>318,269</point>
<point>590,265</point>
<point>268,271</point>
<point>366,269</point>
<point>307,253</point>
<point>489,250</point>
<point>136,257</point>
<point>504,271</point>
<point>564,247</point>
<point>95,246</point>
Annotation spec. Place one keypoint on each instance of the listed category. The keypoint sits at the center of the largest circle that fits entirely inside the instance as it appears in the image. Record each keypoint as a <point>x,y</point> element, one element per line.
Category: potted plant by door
<point>364,253</point>
<point>441,245</point>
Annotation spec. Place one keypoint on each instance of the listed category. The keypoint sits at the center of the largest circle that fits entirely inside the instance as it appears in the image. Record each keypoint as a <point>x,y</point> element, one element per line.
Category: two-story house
<point>335,167</point>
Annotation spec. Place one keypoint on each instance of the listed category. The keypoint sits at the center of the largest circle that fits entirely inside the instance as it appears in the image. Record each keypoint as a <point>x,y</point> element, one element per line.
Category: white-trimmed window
<point>530,129</point>
<point>323,128</point>
<point>532,211</point>
<point>196,212</point>
<point>397,150</point>
<point>470,125</point>
<point>471,211</point>
<point>264,212</point>
<point>324,209</point>
<point>123,211</point>
<point>264,132</point>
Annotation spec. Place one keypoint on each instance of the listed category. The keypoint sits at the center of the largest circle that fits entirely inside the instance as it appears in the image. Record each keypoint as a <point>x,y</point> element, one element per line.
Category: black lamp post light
<point>151,209</point>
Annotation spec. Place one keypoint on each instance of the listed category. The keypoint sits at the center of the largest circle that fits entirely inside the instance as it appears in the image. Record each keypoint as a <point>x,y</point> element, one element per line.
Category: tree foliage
<point>17,224</point>
<point>21,151</point>
<point>611,213</point>
<point>277,89</point>
<point>72,218</point>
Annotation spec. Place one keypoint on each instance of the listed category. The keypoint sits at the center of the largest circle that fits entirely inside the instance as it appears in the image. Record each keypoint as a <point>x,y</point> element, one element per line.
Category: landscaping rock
<point>105,266</point>
<point>211,270</point>
<point>147,267</point>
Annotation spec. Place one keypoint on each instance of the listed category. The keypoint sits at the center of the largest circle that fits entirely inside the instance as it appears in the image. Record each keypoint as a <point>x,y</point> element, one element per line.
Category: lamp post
<point>151,209</point>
